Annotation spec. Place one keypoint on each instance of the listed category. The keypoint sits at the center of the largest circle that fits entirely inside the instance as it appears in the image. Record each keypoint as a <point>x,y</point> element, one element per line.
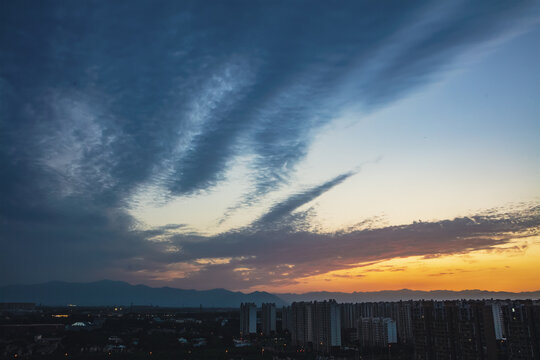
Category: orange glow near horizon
<point>513,267</point>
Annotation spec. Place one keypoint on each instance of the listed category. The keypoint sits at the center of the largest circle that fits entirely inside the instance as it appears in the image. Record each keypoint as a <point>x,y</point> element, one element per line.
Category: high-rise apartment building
<point>377,332</point>
<point>268,315</point>
<point>326,325</point>
<point>453,330</point>
<point>348,316</point>
<point>286,319</point>
<point>404,322</point>
<point>248,319</point>
<point>302,324</point>
<point>498,321</point>
<point>316,324</point>
<point>522,333</point>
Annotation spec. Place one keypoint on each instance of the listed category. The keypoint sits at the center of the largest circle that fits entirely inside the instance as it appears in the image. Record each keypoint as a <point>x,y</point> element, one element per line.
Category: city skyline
<point>271,146</point>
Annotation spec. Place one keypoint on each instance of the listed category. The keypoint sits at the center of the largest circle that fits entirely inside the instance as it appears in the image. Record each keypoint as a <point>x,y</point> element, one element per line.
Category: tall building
<point>302,324</point>
<point>248,319</point>
<point>348,316</point>
<point>286,319</point>
<point>404,322</point>
<point>453,330</point>
<point>326,325</point>
<point>377,332</point>
<point>268,315</point>
<point>475,335</point>
<point>520,330</point>
<point>498,321</point>
<point>428,338</point>
<point>316,325</point>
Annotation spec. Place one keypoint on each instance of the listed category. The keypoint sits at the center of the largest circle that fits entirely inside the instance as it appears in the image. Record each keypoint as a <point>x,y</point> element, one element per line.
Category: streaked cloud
<point>285,208</point>
<point>311,253</point>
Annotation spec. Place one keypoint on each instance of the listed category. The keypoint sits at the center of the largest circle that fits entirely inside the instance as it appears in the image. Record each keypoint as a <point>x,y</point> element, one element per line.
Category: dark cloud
<point>348,276</point>
<point>285,208</point>
<point>442,274</point>
<point>99,99</point>
<point>280,256</point>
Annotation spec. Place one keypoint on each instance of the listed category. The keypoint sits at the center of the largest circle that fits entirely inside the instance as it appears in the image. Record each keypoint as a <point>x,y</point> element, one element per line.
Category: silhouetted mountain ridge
<point>108,292</point>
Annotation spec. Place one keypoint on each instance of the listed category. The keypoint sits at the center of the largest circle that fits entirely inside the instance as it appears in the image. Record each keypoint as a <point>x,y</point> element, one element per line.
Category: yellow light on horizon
<point>513,267</point>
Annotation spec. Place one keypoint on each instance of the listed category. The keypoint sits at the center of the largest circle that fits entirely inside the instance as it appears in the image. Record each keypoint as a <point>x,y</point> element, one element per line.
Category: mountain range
<point>107,292</point>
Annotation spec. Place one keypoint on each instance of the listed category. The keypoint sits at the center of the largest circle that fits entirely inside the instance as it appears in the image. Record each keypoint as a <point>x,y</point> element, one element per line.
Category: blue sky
<point>464,143</point>
<point>176,143</point>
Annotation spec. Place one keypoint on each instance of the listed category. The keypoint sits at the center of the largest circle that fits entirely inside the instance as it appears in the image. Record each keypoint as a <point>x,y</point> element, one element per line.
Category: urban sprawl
<point>425,330</point>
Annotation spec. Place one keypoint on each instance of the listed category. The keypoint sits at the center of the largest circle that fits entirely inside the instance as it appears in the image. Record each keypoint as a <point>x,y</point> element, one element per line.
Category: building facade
<point>268,315</point>
<point>248,319</point>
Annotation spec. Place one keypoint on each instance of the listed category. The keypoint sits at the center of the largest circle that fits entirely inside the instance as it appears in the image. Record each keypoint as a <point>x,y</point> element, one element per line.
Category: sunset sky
<point>286,146</point>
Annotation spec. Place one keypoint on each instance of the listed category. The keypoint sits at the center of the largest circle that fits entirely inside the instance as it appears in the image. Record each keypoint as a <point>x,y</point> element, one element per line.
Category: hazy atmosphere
<point>284,146</point>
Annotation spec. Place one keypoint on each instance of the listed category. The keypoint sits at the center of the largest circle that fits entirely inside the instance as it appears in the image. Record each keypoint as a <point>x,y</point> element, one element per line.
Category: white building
<point>498,321</point>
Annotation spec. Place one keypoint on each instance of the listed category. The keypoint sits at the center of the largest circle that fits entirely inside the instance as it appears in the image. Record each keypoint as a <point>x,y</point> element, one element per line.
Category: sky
<point>271,145</point>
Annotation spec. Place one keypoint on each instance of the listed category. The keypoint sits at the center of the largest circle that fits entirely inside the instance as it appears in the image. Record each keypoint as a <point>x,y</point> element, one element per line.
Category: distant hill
<point>405,294</point>
<point>108,292</point>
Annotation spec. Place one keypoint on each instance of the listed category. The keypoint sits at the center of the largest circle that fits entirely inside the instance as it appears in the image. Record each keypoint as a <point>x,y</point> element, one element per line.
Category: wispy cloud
<point>280,210</point>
